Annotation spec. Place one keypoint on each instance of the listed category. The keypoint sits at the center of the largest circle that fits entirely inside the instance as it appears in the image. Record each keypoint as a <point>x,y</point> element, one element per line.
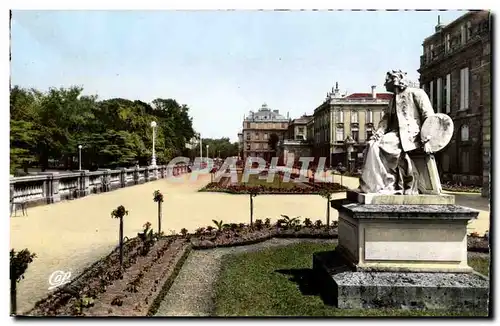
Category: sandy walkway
<point>71,235</point>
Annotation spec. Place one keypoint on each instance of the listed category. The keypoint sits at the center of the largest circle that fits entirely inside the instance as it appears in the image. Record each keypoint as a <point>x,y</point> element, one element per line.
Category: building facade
<point>258,128</point>
<point>296,144</point>
<point>455,71</point>
<point>343,124</point>
<point>240,145</point>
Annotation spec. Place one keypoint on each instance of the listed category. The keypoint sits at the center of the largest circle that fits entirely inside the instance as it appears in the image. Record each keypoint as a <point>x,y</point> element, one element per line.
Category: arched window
<point>464,133</point>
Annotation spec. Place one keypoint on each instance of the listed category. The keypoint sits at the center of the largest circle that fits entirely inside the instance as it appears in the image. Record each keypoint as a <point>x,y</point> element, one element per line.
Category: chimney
<point>439,26</point>
<point>374,93</point>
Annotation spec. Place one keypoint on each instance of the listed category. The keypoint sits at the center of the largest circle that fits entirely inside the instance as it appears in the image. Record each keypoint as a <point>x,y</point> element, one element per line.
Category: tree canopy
<point>47,127</point>
<point>217,148</point>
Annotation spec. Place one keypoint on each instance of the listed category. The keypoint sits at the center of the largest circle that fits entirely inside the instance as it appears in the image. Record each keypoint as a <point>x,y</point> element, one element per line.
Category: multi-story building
<point>310,130</point>
<point>343,124</point>
<point>296,144</point>
<point>258,128</point>
<point>240,145</point>
<point>297,129</point>
<point>455,71</point>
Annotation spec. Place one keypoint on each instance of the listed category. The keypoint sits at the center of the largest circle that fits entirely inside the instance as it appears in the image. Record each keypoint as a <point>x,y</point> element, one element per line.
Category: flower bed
<point>478,243</point>
<point>268,190</point>
<point>105,289</point>
<point>456,187</point>
<point>230,235</point>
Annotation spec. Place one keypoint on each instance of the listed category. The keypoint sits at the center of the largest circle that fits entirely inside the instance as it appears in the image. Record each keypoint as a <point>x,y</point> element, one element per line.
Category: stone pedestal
<point>399,251</point>
<point>84,182</point>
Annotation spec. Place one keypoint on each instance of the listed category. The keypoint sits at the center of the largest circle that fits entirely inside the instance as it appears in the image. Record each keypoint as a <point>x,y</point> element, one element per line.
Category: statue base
<point>400,254</point>
<point>403,237</point>
<point>344,288</point>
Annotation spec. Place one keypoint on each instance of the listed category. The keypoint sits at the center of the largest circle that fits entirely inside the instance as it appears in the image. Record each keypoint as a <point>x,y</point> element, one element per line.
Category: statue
<point>388,167</point>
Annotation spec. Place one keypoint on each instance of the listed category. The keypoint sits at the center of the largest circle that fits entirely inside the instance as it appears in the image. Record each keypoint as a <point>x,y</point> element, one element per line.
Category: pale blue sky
<point>220,63</point>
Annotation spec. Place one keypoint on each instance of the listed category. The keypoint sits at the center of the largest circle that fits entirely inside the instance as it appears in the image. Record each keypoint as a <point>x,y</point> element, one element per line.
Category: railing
<point>51,187</point>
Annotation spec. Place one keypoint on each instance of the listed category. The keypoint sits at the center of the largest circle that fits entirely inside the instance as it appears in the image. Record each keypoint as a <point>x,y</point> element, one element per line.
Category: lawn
<point>274,282</point>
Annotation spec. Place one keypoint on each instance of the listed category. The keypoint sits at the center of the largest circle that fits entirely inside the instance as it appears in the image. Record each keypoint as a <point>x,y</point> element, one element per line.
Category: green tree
<point>19,262</point>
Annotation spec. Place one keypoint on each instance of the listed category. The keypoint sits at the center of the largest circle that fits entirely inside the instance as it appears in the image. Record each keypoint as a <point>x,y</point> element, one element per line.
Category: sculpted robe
<point>387,167</point>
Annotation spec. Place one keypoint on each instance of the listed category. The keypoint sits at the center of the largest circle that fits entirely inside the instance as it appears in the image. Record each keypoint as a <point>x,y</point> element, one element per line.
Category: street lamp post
<point>79,157</point>
<point>201,149</point>
<point>207,154</point>
<point>153,158</point>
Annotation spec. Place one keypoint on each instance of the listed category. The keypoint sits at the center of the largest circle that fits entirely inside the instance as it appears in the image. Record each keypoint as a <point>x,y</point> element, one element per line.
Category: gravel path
<point>192,292</point>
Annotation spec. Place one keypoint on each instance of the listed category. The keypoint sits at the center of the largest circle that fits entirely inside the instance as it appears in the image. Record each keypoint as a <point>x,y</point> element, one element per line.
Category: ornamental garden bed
<point>277,186</point>
<point>147,273</point>
<point>229,235</point>
<point>135,289</point>
<point>457,187</point>
<point>478,243</point>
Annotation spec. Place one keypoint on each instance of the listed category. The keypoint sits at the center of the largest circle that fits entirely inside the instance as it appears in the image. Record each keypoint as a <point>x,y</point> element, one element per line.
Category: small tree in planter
<point>119,213</point>
<point>253,193</point>
<point>19,262</point>
<point>212,174</point>
<point>158,198</point>
<point>327,194</point>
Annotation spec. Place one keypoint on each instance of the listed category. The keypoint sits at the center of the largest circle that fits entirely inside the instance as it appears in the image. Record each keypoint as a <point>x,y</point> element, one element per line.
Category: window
<point>439,89</point>
<point>431,89</point>
<point>248,136</point>
<point>266,136</point>
<point>369,116</point>
<point>355,134</point>
<point>464,133</point>
<point>432,52</point>
<point>248,147</point>
<point>301,130</point>
<point>257,135</point>
<point>448,93</point>
<point>463,35</point>
<point>354,116</point>
<point>369,133</point>
<point>464,164</point>
<point>266,146</point>
<point>248,125</point>
<point>447,45</point>
<point>339,134</point>
<point>464,88</point>
<point>340,116</point>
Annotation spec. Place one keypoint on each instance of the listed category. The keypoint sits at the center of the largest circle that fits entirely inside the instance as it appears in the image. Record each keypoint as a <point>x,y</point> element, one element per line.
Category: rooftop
<point>380,96</point>
<point>264,113</point>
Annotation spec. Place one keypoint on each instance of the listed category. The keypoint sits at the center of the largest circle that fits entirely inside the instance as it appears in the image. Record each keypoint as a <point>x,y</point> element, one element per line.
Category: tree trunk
<point>251,210</point>
<point>328,213</point>
<point>44,162</point>
<point>13,297</point>
<point>159,218</point>
<point>121,241</point>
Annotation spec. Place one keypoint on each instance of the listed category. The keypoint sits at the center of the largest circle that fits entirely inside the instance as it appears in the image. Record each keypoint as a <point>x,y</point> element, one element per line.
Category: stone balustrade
<point>51,187</point>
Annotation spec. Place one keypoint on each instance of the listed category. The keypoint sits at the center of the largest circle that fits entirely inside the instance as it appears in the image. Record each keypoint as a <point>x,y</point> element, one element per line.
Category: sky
<point>222,64</point>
